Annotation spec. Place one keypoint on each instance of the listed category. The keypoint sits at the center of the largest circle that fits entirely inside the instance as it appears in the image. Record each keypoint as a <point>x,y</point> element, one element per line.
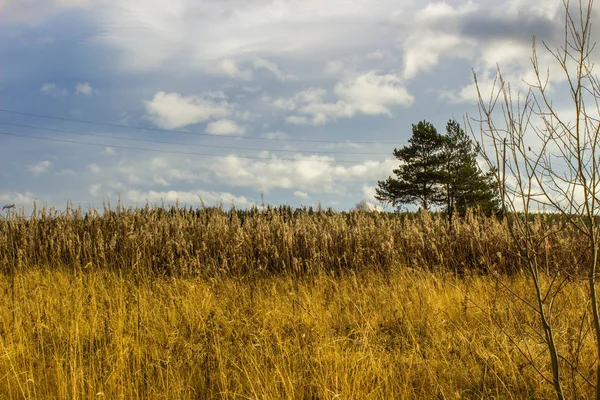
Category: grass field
<point>175,304</point>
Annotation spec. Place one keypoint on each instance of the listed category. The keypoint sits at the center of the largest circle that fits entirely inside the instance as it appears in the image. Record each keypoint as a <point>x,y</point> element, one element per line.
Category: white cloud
<point>96,190</point>
<point>148,33</point>
<point>246,116</point>
<point>159,180</point>
<point>94,168</point>
<point>322,113</point>
<point>36,11</point>
<point>372,93</point>
<point>65,172</point>
<point>160,163</point>
<point>40,167</point>
<point>276,135</point>
<point>274,69</point>
<point>225,127</point>
<point>368,200</point>
<point>346,144</point>
<point>158,171</point>
<point>297,120</point>
<point>368,93</point>
<point>172,110</point>
<point>131,173</point>
<point>52,89</point>
<point>515,67</point>
<point>435,34</point>
<point>378,54</point>
<point>311,95</point>
<point>17,198</point>
<point>229,67</point>
<point>84,89</point>
<point>423,52</point>
<point>308,96</point>
<point>369,192</point>
<point>485,36</point>
<point>285,103</point>
<point>334,67</point>
<point>364,60</point>
<point>545,10</point>
<point>303,195</point>
<point>303,173</point>
<point>151,33</point>
<point>442,31</point>
<point>188,197</point>
<point>438,12</point>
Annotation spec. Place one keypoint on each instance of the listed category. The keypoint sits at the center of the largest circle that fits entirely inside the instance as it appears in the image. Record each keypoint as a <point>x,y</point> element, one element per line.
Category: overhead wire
<point>113,125</point>
<point>185,152</point>
<point>184,144</point>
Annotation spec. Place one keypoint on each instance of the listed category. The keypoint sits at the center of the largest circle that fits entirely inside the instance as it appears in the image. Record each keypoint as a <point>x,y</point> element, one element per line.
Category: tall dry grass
<point>191,304</point>
<point>409,334</point>
<point>209,241</point>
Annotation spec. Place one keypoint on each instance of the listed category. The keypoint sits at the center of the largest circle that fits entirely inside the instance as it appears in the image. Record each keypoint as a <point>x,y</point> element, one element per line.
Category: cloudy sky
<point>302,101</point>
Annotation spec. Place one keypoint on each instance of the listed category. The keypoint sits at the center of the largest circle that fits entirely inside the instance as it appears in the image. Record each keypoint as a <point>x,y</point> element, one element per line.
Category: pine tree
<point>465,184</point>
<point>419,176</point>
<point>439,170</point>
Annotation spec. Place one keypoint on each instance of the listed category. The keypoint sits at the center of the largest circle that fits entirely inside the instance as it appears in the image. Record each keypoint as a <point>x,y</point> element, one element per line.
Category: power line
<point>181,132</point>
<point>180,152</point>
<point>180,143</point>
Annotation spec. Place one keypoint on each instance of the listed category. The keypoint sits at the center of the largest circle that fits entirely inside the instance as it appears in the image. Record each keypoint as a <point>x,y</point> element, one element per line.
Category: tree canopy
<point>418,177</point>
<point>466,185</point>
<point>439,170</point>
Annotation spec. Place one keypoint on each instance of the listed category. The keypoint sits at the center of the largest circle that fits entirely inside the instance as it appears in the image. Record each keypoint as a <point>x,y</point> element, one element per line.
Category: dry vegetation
<point>176,303</point>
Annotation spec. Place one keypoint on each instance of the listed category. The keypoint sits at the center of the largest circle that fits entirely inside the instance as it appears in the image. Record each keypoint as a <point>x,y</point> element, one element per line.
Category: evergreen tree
<point>465,184</point>
<point>419,176</point>
<point>439,170</point>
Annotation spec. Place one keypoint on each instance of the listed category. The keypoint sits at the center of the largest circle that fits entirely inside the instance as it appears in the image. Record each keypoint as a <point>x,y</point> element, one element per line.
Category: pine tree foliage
<point>466,185</point>
<point>439,170</point>
<point>418,176</point>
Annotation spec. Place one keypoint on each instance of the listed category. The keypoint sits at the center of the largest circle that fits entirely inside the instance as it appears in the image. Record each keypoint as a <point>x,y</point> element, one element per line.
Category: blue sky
<point>293,85</point>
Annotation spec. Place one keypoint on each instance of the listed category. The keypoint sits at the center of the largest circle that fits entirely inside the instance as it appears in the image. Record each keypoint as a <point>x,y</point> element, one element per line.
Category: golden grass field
<point>174,304</point>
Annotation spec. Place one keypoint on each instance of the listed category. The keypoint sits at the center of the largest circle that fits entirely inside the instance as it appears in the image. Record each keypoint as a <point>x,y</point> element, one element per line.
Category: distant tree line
<point>440,170</point>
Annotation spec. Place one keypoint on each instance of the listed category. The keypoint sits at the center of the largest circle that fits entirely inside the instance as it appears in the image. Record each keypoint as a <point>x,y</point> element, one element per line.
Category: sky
<point>297,102</point>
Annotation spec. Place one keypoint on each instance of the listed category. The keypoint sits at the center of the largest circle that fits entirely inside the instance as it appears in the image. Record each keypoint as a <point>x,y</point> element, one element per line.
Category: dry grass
<point>181,305</point>
<point>212,242</point>
<point>406,334</point>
